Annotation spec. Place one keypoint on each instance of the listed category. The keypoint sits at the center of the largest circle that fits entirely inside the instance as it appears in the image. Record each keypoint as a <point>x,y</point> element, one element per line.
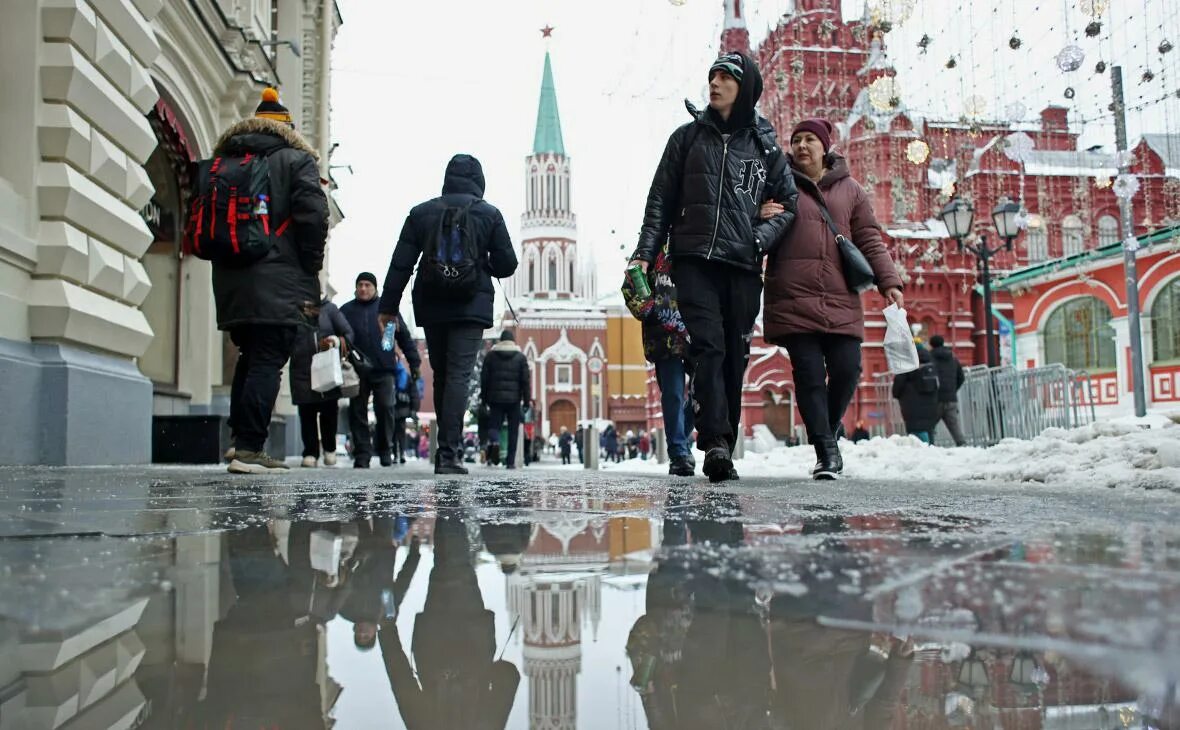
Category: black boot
<point>819,459</point>
<point>494,454</point>
<point>830,463</point>
<point>718,464</point>
<point>448,464</point>
<point>681,466</point>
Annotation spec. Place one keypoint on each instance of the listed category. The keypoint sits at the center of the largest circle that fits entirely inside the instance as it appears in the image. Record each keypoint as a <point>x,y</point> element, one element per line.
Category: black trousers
<point>317,424</point>
<point>719,304</point>
<point>382,387</point>
<point>399,438</point>
<point>827,371</point>
<point>263,350</point>
<point>452,350</point>
<point>497,412</point>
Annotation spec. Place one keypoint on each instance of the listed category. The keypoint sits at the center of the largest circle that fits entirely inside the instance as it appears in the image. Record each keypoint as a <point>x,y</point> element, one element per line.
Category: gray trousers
<point>948,413</point>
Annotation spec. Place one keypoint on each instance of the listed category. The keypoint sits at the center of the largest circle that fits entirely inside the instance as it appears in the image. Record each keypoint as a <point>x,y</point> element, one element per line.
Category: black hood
<point>942,353</point>
<point>750,91</point>
<point>924,355</point>
<point>464,175</point>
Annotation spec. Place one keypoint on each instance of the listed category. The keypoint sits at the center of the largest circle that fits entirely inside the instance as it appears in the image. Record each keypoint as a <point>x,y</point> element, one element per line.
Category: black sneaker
<point>718,464</point>
<point>831,463</point>
<point>450,468</point>
<point>681,466</point>
<point>386,460</point>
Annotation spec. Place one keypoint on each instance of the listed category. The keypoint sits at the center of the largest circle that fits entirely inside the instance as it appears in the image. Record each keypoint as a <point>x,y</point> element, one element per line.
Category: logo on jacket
<point>752,179</point>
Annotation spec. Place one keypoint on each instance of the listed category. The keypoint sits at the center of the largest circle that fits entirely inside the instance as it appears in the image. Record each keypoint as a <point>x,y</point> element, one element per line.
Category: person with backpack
<point>505,387</point>
<point>715,173</point>
<point>260,215</point>
<point>319,413</point>
<point>950,379</point>
<point>458,242</point>
<point>379,376</point>
<point>917,394</point>
<point>565,444</point>
<point>809,307</point>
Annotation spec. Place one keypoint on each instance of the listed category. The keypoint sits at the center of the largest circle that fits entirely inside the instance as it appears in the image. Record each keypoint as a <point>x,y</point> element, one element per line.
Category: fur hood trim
<point>261,125</point>
<point>506,346</point>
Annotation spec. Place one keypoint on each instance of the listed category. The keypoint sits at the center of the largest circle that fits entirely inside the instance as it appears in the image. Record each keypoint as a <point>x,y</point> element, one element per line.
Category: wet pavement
<point>171,597</point>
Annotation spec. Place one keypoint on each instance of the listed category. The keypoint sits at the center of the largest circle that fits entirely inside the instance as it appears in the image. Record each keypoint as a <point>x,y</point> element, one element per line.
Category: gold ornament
<point>1093,8</point>
<point>917,152</point>
<point>1103,183</point>
<point>885,94</point>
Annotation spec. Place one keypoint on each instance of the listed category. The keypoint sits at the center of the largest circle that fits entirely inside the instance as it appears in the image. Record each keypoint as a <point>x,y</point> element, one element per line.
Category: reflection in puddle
<point>559,609</point>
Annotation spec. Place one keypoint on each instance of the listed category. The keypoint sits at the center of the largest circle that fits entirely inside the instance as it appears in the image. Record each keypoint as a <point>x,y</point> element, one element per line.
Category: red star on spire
<point>547,31</point>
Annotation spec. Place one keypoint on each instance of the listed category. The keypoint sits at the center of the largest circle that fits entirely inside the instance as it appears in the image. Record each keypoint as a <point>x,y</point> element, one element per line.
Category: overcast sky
<point>416,82</point>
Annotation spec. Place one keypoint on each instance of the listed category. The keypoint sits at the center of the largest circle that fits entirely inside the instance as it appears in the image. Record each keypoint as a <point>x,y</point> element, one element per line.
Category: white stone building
<point>103,323</point>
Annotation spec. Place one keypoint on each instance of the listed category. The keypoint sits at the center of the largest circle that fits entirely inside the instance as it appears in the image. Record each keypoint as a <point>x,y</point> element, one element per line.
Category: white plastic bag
<point>326,373</point>
<point>900,351</point>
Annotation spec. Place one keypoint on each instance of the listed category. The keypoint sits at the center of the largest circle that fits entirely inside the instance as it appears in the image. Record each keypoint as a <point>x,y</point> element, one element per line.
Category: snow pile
<point>1142,453</point>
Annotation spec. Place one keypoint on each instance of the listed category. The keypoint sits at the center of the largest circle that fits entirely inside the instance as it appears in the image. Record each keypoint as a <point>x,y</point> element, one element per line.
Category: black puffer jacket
<point>464,181</point>
<point>950,374</point>
<point>283,287</point>
<point>307,344</point>
<point>504,379</point>
<point>708,187</point>
<point>917,394</point>
<point>367,335</point>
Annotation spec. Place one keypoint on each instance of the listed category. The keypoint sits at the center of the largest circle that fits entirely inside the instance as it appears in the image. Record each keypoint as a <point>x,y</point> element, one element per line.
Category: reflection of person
<point>375,595</point>
<point>459,683</point>
<point>699,653</point>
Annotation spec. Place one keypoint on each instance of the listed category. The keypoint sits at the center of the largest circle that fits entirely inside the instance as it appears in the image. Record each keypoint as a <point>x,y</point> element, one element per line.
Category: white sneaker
<point>330,459</point>
<point>230,454</point>
<point>309,462</point>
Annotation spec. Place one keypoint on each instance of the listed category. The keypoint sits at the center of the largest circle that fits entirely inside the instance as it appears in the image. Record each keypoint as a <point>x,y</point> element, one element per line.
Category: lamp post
<point>958,216</point>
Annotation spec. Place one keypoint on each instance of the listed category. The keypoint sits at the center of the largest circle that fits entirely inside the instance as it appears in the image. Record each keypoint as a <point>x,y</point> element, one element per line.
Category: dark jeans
<point>382,387</point>
<point>497,412</point>
<point>452,350</point>
<point>827,371</point>
<point>670,375</point>
<point>719,304</point>
<point>399,438</point>
<point>317,423</point>
<point>263,350</point>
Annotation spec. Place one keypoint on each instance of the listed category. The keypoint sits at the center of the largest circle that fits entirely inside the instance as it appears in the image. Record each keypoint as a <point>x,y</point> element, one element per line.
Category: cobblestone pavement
<point>187,597</point>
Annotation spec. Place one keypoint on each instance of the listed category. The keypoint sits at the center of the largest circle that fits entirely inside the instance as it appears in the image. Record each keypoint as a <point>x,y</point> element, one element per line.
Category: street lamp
<point>958,216</point>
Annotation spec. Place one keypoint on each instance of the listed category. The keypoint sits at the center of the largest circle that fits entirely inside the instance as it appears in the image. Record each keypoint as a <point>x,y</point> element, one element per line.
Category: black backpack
<point>927,379</point>
<point>450,259</point>
<point>229,218</point>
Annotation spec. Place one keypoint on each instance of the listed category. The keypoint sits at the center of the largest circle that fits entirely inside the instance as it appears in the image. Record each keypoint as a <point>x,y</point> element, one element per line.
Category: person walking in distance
<point>380,381</point>
<point>319,413</point>
<point>665,345</point>
<point>704,200</point>
<point>950,379</point>
<point>809,308</point>
<point>565,443</point>
<point>505,387</point>
<point>457,241</point>
<point>917,393</point>
<point>265,278</point>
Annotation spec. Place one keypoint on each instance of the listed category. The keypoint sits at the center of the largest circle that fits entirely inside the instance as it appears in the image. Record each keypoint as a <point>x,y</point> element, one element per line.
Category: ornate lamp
<point>957,216</point>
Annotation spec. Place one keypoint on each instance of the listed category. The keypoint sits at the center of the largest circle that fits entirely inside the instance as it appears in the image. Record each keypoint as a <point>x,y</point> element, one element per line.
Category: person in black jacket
<point>715,173</point>
<point>504,386</point>
<point>318,412</point>
<point>454,323</point>
<point>950,379</point>
<point>381,380</point>
<point>265,306</point>
<point>917,393</point>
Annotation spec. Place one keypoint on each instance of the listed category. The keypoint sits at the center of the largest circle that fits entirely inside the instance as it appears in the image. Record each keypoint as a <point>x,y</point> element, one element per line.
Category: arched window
<point>571,279</point>
<point>1078,335</point>
<point>532,276</point>
<point>552,273</point>
<point>552,193</point>
<point>1072,236</point>
<point>1108,230</point>
<point>1038,244</point>
<point>1165,323</point>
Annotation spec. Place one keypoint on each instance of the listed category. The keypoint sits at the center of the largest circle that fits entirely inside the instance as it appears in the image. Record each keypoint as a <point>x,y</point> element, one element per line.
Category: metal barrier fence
<point>1000,403</point>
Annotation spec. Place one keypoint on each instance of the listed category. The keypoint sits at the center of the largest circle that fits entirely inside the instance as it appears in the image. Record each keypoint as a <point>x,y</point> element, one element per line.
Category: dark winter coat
<point>805,289</point>
<point>709,187</point>
<point>331,324</point>
<point>950,374</point>
<point>367,334</point>
<point>464,182</point>
<point>282,288</point>
<point>504,379</point>
<point>917,393</point>
<point>664,333</point>
<point>565,441</point>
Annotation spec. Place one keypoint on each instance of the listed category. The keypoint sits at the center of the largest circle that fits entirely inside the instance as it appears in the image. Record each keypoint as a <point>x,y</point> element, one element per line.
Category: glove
<point>415,375</point>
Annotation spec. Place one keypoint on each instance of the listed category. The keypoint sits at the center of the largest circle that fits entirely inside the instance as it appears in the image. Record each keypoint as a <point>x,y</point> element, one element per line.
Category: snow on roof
<point>929,229</point>
<point>1071,163</point>
<point>1167,146</point>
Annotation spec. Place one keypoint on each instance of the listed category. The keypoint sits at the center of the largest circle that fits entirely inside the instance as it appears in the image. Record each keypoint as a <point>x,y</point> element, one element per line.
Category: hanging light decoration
<point>924,43</point>
<point>975,106</point>
<point>678,3</point>
<point>1165,46</point>
<point>890,13</point>
<point>1093,28</point>
<point>947,189</point>
<point>1015,111</point>
<point>1070,58</point>
<point>1018,147</point>
<point>1014,42</point>
<point>1125,186</point>
<point>1093,8</point>
<point>917,152</point>
<point>1102,183</point>
<point>1100,67</point>
<point>951,62</point>
<point>1069,92</point>
<point>1147,77</point>
<point>885,94</point>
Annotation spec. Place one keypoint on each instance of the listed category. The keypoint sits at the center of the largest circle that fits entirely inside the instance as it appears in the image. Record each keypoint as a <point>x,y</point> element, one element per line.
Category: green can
<point>639,281</point>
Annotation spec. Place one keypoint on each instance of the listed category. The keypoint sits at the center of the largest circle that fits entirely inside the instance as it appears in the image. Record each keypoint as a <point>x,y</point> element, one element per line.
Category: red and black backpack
<point>229,220</point>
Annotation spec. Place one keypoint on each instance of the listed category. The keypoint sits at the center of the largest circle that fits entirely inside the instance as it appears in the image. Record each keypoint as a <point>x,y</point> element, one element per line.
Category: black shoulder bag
<point>858,274</point>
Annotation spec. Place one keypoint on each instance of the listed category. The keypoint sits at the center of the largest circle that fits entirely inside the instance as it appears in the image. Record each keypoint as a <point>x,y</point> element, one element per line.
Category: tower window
<point>532,277</point>
<point>553,273</point>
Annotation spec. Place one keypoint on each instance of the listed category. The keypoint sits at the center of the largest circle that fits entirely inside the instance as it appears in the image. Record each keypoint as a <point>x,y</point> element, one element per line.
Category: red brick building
<point>814,64</point>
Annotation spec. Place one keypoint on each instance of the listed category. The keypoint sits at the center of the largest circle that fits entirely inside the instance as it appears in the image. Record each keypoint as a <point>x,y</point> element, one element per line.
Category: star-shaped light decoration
<point>547,31</point>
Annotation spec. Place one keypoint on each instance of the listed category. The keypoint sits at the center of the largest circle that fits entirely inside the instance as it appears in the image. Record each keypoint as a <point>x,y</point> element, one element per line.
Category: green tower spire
<point>548,137</point>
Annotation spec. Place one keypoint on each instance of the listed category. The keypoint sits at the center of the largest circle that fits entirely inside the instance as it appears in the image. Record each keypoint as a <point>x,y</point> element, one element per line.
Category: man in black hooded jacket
<point>715,174</point>
<point>454,324</point>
